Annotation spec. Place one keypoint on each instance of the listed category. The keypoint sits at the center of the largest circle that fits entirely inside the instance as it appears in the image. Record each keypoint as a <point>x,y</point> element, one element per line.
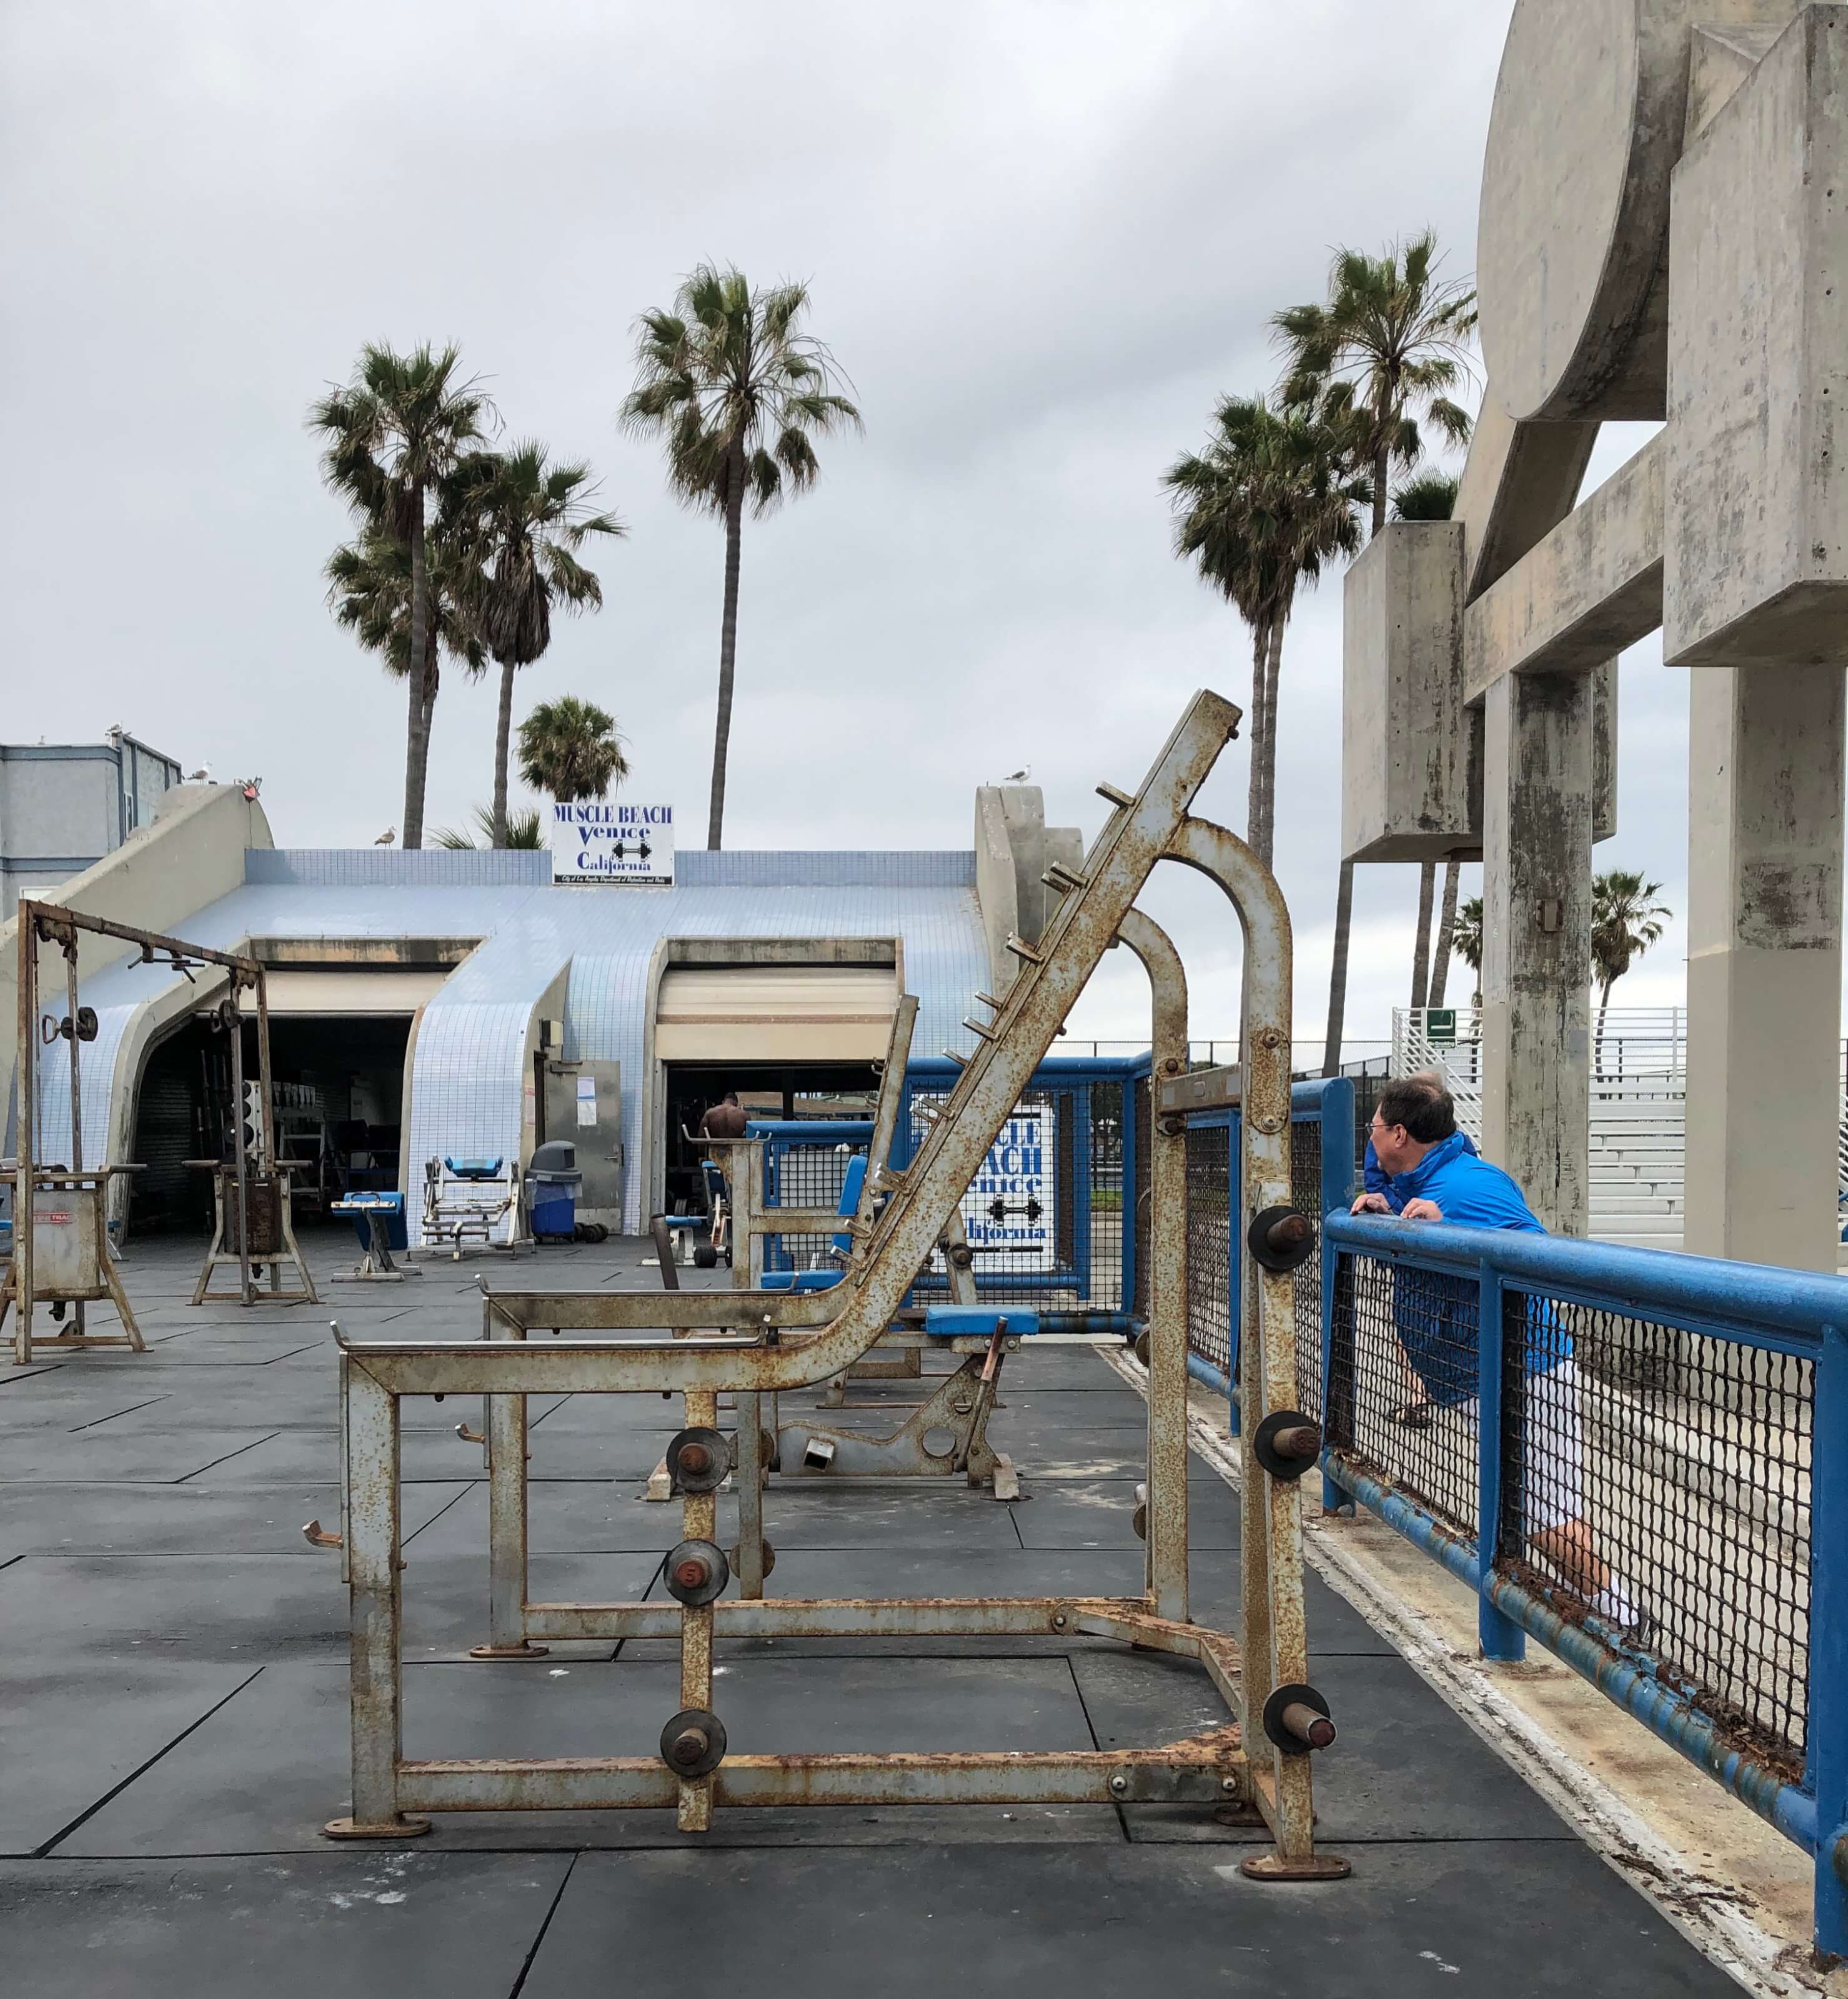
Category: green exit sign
<point>1441,1025</point>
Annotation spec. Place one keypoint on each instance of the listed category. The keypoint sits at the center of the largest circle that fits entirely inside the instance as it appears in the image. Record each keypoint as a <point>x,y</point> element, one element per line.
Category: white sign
<point>599,841</point>
<point>1010,1207</point>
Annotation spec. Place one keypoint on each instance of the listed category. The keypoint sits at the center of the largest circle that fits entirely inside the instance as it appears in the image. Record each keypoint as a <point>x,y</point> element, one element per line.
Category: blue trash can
<point>553,1180</point>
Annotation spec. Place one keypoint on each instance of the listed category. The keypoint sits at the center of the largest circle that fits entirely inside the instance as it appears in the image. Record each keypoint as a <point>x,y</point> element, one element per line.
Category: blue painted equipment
<point>553,1180</point>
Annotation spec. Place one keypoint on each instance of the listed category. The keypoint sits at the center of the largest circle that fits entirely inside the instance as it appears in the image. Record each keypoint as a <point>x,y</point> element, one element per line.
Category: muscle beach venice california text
<point>598,842</point>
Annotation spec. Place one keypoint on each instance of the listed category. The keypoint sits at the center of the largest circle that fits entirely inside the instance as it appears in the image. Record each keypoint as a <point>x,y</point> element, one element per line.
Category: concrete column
<point>1764,972</point>
<point>1538,784</point>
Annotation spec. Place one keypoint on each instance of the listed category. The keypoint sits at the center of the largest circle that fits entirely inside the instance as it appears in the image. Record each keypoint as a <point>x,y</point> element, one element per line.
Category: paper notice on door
<point>587,1110</point>
<point>586,1086</point>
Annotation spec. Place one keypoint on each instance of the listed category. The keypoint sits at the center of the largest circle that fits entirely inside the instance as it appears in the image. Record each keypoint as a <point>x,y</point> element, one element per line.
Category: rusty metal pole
<point>24,1182</point>
<point>374,1592</point>
<point>698,1522</point>
<point>1167,1515</point>
<point>243,1181</point>
<point>508,1527</point>
<point>747,1475</point>
<point>78,1193</point>
<point>1275,1640</point>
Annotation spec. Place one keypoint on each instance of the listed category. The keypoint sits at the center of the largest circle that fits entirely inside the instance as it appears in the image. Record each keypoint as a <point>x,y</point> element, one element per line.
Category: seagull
<point>201,776</point>
<point>386,837</point>
<point>1021,776</point>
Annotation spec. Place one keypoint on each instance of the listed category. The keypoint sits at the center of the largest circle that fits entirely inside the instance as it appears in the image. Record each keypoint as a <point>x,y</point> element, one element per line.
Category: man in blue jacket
<point>1434,1174</point>
<point>1375,1177</point>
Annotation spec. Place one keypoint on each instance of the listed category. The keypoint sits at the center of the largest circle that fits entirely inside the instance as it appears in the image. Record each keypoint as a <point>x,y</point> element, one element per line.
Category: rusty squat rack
<point>62,1252</point>
<point>749,1344</point>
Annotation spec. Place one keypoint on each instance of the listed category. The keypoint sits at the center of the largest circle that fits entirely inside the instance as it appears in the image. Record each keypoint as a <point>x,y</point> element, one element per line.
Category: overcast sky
<point>1041,239</point>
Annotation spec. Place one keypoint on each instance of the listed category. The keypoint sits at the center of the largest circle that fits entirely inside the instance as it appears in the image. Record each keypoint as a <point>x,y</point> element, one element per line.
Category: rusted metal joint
<point>693,1743</point>
<point>1296,1719</point>
<point>1282,1238</point>
<point>698,1460</point>
<point>1171,1125</point>
<point>317,1537</point>
<point>469,1436</point>
<point>1287,1443</point>
<point>696,1573</point>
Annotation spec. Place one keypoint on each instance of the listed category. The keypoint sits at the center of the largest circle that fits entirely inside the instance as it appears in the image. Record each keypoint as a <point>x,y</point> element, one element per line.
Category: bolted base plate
<point>520,1651</point>
<point>1316,1867</point>
<point>353,1828</point>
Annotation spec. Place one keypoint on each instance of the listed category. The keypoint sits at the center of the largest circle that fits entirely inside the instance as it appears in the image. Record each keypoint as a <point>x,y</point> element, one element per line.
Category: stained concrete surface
<point>173,1715</point>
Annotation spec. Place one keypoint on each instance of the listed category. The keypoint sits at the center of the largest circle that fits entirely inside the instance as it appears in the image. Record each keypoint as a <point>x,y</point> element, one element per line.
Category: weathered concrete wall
<point>191,855</point>
<point>1520,481</point>
<point>1536,827</point>
<point>1766,769</point>
<point>1405,761</point>
<point>997,888</point>
<point>1757,496</point>
<point>1014,846</point>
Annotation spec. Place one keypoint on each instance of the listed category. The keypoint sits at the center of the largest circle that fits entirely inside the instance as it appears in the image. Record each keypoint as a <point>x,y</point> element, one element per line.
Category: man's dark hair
<point>731,1096</point>
<point>1422,1105</point>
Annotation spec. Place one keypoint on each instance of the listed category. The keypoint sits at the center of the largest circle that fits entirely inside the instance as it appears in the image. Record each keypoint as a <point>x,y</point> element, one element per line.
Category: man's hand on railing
<point>1421,1210</point>
<point>1370,1204</point>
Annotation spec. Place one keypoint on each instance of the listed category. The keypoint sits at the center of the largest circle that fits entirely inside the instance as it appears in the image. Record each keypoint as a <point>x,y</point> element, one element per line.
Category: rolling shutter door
<point>780,1012</point>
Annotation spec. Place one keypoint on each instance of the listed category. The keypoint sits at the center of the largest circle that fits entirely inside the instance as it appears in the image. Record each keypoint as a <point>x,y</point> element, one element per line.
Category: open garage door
<point>775,1014</point>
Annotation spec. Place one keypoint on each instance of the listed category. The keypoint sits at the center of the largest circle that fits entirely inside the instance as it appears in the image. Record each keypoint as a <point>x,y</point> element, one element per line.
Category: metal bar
<point>76,1065</point>
<point>885,1114</point>
<point>153,940</point>
<point>507,1523</point>
<point>1208,1376</point>
<point>237,1153</point>
<point>699,1521</point>
<point>1076,1104</point>
<point>1206,1771</point>
<point>1334,1105</point>
<point>748,1470</point>
<point>841,1617</point>
<point>25,1182</point>
<point>1499,1638</point>
<point>374,1590</point>
<point>1278,1655</point>
<point>266,1091</point>
<point>1167,1500</point>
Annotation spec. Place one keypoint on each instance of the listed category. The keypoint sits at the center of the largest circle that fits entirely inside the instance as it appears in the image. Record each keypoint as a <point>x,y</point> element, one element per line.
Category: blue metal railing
<point>1321,1177</point>
<point>1742,1418</point>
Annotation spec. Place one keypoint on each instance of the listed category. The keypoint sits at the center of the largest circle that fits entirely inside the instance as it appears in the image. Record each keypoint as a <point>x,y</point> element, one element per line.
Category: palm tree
<point>1431,496</point>
<point>570,749</point>
<point>519,830</point>
<point>1391,342</point>
<point>1466,940</point>
<point>523,520</point>
<point>392,432</point>
<point>1626,920</point>
<point>1260,511</point>
<point>369,590</point>
<point>739,392</point>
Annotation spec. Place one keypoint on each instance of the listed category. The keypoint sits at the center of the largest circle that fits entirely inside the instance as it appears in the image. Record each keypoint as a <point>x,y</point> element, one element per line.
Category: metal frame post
<point>1334,1102</point>
<point>1235,1301</point>
<point>25,1182</point>
<point>1167,1506</point>
<point>1500,1637</point>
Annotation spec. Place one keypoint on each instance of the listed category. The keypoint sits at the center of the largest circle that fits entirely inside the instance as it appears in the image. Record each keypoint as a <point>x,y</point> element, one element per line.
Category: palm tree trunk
<point>1382,472</point>
<point>503,730</point>
<point>1446,931</point>
<point>1255,786</point>
<point>728,644</point>
<point>1421,950</point>
<point>416,750</point>
<point>1272,663</point>
<point>1337,973</point>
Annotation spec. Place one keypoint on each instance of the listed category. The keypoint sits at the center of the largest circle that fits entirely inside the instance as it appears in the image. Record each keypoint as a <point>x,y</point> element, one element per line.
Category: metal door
<point>583,1105</point>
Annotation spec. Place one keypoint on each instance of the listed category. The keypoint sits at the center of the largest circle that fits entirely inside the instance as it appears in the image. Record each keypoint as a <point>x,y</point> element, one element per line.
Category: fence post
<point>1827,1721</point>
<point>1126,1156</point>
<point>1500,1637</point>
<point>1075,1104</point>
<point>1337,1113</point>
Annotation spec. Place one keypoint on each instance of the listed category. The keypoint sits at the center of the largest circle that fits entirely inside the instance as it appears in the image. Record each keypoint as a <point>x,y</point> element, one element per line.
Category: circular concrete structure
<point>1571,254</point>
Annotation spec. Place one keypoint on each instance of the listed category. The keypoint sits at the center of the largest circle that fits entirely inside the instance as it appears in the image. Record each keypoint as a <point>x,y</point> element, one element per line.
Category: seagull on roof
<point>201,776</point>
<point>1021,776</point>
<point>386,837</point>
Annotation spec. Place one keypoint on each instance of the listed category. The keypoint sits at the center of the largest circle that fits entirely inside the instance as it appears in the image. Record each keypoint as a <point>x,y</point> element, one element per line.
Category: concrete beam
<point>1756,546</point>
<point>1520,481</point>
<point>1723,57</point>
<point>1537,829</point>
<point>1589,589</point>
<point>1766,765</point>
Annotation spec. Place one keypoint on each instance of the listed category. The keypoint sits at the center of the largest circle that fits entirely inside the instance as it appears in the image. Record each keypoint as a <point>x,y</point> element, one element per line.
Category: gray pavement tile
<point>63,1407</point>
<point>185,1519</point>
<point>57,1457</point>
<point>1391,1724</point>
<point>385,1923</point>
<point>1100,1513</point>
<point>311,1457</point>
<point>270,1766</point>
<point>1097,1923</point>
<point>73,1727</point>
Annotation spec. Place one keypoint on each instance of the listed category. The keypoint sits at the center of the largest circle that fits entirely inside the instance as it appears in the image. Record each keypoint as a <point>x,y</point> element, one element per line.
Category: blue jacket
<point>1467,1189</point>
<point>1434,1313</point>
<point>1377,1180</point>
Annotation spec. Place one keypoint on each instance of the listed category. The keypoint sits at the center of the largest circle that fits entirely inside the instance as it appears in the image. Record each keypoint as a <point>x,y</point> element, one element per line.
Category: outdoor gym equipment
<point>748,1343</point>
